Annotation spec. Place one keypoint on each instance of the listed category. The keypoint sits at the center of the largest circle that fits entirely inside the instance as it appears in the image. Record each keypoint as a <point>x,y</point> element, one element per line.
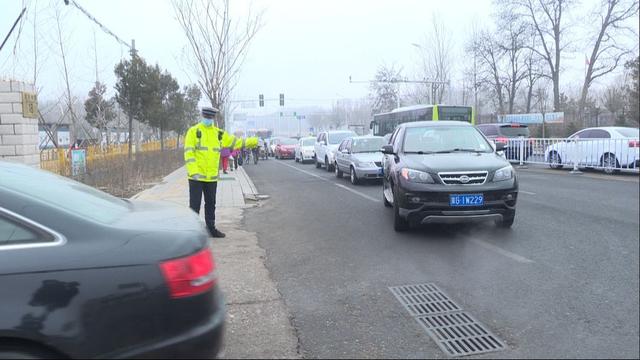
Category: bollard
<point>521,165</point>
<point>576,157</point>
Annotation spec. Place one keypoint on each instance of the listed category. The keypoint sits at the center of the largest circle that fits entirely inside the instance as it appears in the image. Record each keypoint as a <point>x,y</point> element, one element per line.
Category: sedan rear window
<point>630,133</point>
<point>336,138</point>
<point>69,195</point>
<point>308,142</point>
<point>288,141</point>
<point>514,131</point>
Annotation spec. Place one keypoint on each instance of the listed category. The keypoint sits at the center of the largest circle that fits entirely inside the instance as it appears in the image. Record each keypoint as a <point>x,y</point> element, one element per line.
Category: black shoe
<point>216,233</point>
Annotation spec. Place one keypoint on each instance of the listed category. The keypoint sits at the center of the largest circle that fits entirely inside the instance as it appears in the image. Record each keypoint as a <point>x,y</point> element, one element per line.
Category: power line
<point>104,28</point>
<point>13,27</point>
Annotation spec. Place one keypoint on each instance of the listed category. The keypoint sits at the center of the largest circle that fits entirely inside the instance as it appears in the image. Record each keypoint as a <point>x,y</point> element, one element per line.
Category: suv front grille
<point>463,177</point>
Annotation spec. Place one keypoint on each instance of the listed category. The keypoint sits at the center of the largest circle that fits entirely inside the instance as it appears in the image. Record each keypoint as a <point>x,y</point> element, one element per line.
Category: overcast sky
<point>307,49</point>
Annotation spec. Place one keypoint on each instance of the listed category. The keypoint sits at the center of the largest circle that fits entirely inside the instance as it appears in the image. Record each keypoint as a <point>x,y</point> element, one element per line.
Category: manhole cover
<point>459,334</point>
<point>424,299</point>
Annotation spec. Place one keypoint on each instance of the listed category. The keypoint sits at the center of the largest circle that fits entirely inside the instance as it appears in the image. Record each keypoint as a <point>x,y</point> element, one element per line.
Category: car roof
<point>436,123</point>
<point>609,128</point>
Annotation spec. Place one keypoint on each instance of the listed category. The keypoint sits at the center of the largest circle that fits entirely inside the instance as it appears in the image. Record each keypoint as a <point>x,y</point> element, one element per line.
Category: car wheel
<point>327,165</point>
<point>353,177</point>
<point>384,197</point>
<point>555,161</point>
<point>609,163</point>
<point>337,170</point>
<point>506,222</point>
<point>399,223</point>
<point>317,163</point>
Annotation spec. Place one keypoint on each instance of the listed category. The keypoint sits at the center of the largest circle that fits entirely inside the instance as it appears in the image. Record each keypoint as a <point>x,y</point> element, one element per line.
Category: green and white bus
<point>385,123</point>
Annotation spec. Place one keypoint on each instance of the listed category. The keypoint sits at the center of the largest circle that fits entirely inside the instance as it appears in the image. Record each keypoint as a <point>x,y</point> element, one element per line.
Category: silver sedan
<point>360,157</point>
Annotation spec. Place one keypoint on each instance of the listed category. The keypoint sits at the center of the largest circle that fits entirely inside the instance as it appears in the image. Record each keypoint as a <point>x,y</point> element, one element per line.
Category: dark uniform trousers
<point>196,189</point>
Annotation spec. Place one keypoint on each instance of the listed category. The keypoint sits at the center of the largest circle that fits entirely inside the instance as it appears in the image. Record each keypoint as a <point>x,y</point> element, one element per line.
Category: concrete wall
<point>18,135</point>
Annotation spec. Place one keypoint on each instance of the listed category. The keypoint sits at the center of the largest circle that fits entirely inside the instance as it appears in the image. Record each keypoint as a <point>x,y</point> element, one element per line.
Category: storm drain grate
<point>424,299</point>
<point>459,334</point>
<point>455,331</point>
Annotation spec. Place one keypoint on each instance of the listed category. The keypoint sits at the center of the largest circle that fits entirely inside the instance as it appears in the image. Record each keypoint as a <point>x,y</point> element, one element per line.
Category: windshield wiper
<point>419,152</point>
<point>465,150</point>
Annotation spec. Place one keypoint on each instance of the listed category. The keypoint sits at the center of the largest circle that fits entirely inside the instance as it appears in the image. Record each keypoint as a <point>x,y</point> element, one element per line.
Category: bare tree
<point>548,22</point>
<point>533,73</point>
<point>437,58</point>
<point>513,35</point>
<point>489,58</point>
<point>607,54</point>
<point>217,44</point>
<point>383,92</point>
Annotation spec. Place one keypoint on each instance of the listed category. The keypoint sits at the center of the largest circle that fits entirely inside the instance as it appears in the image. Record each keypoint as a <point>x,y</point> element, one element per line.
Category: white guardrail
<point>610,155</point>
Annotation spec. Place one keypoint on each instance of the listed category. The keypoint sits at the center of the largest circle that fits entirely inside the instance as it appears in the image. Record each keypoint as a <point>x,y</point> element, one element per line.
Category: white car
<point>609,148</point>
<point>305,149</point>
<point>326,147</point>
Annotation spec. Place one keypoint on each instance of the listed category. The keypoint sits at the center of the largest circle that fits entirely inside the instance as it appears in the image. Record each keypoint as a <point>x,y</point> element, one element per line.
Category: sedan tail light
<point>503,140</point>
<point>634,143</point>
<point>191,275</point>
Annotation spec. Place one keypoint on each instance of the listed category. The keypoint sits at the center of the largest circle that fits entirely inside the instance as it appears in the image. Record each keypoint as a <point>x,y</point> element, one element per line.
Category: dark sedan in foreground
<point>444,172</point>
<point>85,275</point>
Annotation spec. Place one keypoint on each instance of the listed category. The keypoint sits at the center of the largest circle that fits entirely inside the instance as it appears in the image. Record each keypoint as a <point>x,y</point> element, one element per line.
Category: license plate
<point>466,200</point>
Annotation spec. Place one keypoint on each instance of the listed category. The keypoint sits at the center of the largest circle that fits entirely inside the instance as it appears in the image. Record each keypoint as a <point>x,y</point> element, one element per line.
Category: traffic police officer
<point>202,146</point>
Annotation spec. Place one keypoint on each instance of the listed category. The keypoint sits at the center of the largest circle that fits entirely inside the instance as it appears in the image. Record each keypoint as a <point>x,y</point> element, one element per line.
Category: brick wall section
<point>18,135</point>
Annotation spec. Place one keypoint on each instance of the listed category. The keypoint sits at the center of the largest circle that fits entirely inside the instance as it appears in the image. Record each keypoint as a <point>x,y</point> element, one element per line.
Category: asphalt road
<point>563,282</point>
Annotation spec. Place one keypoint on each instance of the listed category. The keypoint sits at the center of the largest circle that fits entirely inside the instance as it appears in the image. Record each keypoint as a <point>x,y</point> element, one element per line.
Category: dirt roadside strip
<point>258,322</point>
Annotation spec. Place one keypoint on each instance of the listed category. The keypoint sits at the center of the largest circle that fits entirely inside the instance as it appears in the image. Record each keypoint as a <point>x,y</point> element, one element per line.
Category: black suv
<point>511,135</point>
<point>446,171</point>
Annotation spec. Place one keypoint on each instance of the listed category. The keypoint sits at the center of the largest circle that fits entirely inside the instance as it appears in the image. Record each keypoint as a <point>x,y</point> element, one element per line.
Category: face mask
<point>207,122</point>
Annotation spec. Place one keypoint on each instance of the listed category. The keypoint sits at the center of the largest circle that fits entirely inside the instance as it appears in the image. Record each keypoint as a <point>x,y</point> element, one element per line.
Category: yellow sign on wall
<point>29,105</point>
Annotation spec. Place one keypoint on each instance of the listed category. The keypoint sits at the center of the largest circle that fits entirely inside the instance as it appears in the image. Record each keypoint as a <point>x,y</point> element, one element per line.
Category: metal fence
<point>609,155</point>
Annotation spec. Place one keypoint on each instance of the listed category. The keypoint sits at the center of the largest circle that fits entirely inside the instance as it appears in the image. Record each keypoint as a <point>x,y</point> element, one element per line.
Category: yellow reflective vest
<point>202,146</point>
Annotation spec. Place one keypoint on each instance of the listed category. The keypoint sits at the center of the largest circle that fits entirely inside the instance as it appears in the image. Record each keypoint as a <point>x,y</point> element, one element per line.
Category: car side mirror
<point>500,146</point>
<point>387,149</point>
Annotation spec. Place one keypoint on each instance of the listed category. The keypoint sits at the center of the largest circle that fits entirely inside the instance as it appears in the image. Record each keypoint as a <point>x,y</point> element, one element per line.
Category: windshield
<point>308,142</point>
<point>630,133</point>
<point>362,145</point>
<point>69,195</point>
<point>336,138</point>
<point>288,141</point>
<point>514,131</point>
<point>430,139</point>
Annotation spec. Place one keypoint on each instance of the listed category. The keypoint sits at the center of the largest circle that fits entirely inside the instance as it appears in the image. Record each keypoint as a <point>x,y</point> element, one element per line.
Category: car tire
<point>384,198</point>
<point>555,161</point>
<point>317,163</point>
<point>609,163</point>
<point>337,171</point>
<point>353,177</point>
<point>399,223</point>
<point>506,222</point>
<point>328,166</point>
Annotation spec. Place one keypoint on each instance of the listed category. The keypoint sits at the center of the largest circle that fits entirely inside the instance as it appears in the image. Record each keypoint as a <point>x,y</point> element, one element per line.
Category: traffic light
<point>281,99</point>
<point>261,100</point>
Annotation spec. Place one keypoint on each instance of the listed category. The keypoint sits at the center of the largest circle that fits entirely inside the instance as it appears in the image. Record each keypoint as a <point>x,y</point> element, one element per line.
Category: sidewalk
<point>258,323</point>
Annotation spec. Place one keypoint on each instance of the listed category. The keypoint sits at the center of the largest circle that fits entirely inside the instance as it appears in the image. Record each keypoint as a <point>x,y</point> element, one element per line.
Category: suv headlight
<point>416,176</point>
<point>506,173</point>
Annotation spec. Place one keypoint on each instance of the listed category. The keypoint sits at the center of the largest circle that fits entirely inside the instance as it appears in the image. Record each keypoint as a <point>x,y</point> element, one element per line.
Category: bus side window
<point>429,115</point>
